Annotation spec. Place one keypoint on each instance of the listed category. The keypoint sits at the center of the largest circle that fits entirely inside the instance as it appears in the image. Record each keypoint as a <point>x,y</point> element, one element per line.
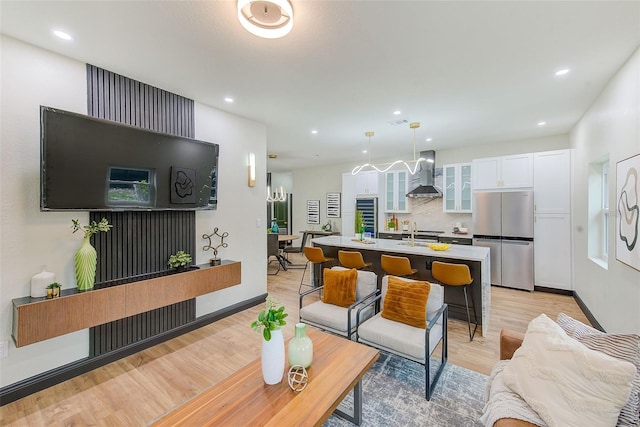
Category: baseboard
<point>50,378</point>
<point>553,290</point>
<point>587,312</point>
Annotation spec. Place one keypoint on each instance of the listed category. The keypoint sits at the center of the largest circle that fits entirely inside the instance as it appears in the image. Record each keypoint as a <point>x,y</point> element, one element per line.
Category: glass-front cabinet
<point>396,188</point>
<point>457,188</point>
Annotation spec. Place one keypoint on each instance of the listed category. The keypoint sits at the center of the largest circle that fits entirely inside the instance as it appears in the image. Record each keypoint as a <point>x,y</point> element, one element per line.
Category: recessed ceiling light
<point>364,151</point>
<point>228,99</point>
<point>314,131</point>
<point>562,72</point>
<point>429,139</point>
<point>542,123</point>
<point>62,35</point>
<point>397,112</point>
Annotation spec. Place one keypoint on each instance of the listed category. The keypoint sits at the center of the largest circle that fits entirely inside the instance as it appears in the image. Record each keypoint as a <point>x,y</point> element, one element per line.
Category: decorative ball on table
<point>298,378</point>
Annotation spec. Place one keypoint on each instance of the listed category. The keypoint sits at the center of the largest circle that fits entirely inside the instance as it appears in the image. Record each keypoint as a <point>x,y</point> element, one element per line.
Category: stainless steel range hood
<point>426,175</point>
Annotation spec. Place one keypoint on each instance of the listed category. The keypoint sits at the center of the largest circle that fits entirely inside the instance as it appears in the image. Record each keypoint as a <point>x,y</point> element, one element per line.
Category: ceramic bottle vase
<point>40,281</point>
<point>301,347</point>
<point>273,358</point>
<point>85,265</point>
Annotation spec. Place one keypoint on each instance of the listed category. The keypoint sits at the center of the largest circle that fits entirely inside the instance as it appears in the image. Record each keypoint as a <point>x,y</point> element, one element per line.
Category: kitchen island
<point>421,257</point>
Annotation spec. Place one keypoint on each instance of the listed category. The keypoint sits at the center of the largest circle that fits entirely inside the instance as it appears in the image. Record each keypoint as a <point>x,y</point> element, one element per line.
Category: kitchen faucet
<point>413,231</point>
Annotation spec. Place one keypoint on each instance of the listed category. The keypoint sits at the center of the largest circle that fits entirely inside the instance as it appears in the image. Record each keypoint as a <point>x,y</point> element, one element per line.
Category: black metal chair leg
<point>475,316</point>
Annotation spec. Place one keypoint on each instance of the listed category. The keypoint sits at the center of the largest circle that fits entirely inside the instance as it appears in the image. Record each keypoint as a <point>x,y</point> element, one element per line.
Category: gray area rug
<point>393,395</point>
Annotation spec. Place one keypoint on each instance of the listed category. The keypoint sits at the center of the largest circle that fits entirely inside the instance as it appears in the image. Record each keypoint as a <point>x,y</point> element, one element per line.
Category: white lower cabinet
<point>552,251</point>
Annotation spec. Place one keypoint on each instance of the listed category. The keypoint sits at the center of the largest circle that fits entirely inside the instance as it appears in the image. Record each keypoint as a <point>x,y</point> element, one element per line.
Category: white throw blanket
<point>502,402</point>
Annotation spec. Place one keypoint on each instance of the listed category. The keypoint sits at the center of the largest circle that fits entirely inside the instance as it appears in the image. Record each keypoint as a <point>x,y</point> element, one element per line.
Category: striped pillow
<point>575,328</point>
<point>621,346</point>
<point>406,302</point>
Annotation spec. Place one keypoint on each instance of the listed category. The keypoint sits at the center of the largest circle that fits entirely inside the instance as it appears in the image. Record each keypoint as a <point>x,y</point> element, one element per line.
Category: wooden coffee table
<point>244,399</point>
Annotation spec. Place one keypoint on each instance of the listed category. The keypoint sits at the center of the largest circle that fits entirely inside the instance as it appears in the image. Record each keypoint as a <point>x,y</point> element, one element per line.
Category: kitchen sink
<point>405,243</point>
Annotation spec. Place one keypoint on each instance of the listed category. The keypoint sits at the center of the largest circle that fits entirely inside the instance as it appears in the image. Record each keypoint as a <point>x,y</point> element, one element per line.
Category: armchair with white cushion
<point>417,343</point>
<point>339,317</point>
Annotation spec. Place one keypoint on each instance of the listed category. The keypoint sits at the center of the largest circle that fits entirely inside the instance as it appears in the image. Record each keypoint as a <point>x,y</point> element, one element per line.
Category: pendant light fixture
<point>270,19</point>
<point>382,168</point>
<point>278,196</point>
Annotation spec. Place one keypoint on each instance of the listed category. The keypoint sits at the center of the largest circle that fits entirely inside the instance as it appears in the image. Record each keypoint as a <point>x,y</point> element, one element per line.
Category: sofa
<point>529,386</point>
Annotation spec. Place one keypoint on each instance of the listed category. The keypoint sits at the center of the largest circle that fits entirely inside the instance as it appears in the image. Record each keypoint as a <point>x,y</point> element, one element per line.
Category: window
<point>605,211</point>
<point>598,204</point>
<point>128,186</point>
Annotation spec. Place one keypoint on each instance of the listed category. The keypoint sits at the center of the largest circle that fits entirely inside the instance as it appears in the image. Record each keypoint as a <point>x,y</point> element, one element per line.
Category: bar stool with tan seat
<point>314,255</point>
<point>397,266</point>
<point>353,259</point>
<point>456,275</point>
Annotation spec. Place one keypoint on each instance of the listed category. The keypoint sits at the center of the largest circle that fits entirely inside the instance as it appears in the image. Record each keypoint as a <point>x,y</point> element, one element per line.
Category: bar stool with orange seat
<point>397,266</point>
<point>314,255</point>
<point>353,259</point>
<point>456,275</point>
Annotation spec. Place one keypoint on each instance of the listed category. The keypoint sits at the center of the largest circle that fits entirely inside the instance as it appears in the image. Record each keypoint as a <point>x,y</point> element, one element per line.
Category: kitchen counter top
<point>464,252</point>
<point>421,256</point>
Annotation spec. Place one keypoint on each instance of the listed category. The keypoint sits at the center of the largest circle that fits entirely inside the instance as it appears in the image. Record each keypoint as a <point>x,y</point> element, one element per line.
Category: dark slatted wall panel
<point>118,98</point>
<point>140,242</point>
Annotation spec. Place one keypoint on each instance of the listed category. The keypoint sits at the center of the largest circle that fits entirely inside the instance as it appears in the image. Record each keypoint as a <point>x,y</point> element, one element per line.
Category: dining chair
<point>273,250</point>
<point>296,249</point>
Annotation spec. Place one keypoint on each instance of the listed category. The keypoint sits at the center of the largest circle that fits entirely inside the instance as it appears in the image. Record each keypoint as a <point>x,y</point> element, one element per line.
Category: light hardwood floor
<point>136,390</point>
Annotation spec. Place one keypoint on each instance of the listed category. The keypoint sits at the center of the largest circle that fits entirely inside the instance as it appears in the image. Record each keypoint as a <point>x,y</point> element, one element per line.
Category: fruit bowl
<point>439,246</point>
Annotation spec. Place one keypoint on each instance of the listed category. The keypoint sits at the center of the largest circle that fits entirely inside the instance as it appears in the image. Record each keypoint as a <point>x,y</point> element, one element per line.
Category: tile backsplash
<point>428,215</point>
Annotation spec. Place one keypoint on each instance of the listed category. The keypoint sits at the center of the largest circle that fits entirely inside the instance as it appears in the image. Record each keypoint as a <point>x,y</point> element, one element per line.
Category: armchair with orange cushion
<point>343,292</point>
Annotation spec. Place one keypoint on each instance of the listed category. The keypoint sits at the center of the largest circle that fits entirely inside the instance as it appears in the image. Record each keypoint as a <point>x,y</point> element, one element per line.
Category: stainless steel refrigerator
<point>503,222</point>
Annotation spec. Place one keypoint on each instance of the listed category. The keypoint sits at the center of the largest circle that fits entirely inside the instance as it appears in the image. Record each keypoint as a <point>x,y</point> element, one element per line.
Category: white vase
<point>273,358</point>
<point>40,281</point>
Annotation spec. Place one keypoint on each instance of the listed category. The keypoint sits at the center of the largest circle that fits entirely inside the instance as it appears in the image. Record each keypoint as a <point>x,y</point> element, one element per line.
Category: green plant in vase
<point>179,260</point>
<point>359,224</point>
<point>53,290</point>
<point>86,257</point>
<point>270,319</point>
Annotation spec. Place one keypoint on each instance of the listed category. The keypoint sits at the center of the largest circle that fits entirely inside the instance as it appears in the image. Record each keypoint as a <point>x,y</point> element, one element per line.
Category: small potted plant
<point>53,290</point>
<point>269,322</point>
<point>180,260</point>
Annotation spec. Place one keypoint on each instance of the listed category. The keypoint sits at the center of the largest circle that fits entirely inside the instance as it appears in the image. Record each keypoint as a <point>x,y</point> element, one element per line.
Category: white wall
<point>29,238</point>
<point>610,127</point>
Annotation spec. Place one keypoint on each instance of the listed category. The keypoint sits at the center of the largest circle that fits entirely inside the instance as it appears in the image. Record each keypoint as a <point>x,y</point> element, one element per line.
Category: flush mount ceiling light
<point>381,168</point>
<point>267,19</point>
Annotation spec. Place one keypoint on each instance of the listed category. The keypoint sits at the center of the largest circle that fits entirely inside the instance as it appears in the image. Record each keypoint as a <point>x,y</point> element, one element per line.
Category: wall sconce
<point>252,170</point>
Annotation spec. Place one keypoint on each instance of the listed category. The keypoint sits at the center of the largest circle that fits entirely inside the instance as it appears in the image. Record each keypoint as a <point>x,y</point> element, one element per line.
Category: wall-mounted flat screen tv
<point>95,164</point>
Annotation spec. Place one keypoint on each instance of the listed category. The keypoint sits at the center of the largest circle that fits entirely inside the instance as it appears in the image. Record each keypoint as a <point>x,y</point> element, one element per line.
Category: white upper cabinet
<point>457,188</point>
<point>507,172</point>
<point>552,182</point>
<point>395,190</point>
<point>348,192</point>
<point>366,183</point>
